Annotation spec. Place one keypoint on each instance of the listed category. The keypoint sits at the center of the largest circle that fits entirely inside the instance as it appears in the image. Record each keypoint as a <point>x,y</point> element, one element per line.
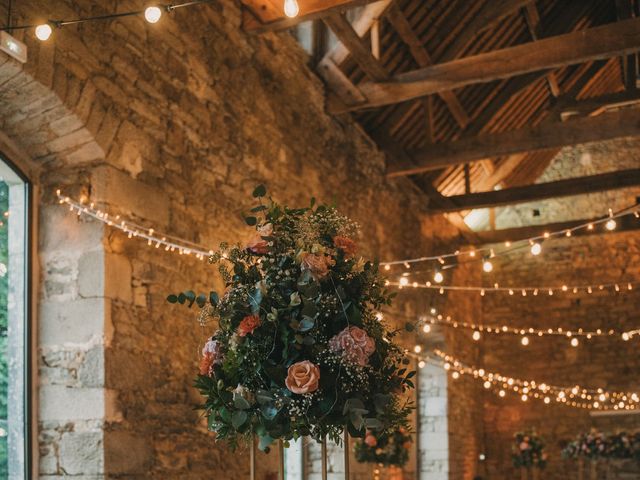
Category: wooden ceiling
<point>468,96</point>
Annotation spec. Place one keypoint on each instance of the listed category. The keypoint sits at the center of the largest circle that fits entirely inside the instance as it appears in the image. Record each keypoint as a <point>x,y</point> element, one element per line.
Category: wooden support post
<point>252,459</point>
<point>324,458</point>
<point>346,453</point>
<point>281,458</point>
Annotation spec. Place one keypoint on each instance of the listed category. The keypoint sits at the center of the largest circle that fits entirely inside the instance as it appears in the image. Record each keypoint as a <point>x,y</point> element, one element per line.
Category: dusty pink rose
<point>370,440</point>
<point>318,265</point>
<point>211,355</point>
<point>248,325</point>
<point>354,344</point>
<point>524,446</point>
<point>345,244</point>
<point>303,377</point>
<point>258,245</point>
<point>406,445</point>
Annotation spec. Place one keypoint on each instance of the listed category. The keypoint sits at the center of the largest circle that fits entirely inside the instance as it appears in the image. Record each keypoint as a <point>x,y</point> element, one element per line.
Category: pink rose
<point>303,377</point>
<point>248,325</point>
<point>345,244</point>
<point>370,440</point>
<point>354,344</point>
<point>318,265</point>
<point>258,246</point>
<point>211,355</point>
<point>524,446</point>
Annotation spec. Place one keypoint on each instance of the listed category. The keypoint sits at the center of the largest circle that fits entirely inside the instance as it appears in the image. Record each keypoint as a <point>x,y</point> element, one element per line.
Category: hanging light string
<point>571,396</point>
<point>425,323</point>
<point>617,287</point>
<point>534,242</point>
<point>154,239</point>
<point>152,14</point>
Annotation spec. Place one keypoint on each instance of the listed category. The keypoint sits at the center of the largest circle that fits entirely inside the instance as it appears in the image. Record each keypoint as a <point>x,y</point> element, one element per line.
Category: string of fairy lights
<point>616,287</point>
<point>152,14</point>
<point>425,323</point>
<point>572,396</point>
<point>485,255</point>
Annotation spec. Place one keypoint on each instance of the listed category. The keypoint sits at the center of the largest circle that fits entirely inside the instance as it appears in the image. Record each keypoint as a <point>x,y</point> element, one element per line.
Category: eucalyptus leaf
<point>264,442</point>
<point>239,418</point>
<point>373,423</point>
<point>251,221</point>
<point>240,402</point>
<point>213,298</point>
<point>306,324</point>
<point>172,299</point>
<point>264,397</point>
<point>269,411</point>
<point>260,191</point>
<point>201,300</point>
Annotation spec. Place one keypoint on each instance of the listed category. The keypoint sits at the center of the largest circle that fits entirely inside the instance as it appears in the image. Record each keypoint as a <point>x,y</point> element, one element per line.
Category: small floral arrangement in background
<point>595,445</point>
<point>298,347</point>
<point>388,448</point>
<point>590,445</point>
<point>527,450</point>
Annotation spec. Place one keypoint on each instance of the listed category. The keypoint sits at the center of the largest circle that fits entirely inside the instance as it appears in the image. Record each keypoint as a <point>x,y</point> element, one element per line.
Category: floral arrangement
<point>595,445</point>
<point>298,347</point>
<point>591,445</point>
<point>388,448</point>
<point>527,450</point>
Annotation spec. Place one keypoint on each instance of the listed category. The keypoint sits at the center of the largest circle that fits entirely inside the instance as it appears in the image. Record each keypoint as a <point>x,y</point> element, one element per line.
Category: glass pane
<point>13,236</point>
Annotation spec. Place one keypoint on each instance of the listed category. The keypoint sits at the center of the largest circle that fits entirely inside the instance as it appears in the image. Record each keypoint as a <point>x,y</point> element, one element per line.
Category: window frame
<point>29,451</point>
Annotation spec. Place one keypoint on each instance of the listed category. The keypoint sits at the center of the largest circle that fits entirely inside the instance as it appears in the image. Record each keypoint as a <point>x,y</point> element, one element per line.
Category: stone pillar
<point>434,429</point>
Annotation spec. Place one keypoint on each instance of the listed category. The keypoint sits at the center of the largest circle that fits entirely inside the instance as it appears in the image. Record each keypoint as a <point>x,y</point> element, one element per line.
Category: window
<point>14,331</point>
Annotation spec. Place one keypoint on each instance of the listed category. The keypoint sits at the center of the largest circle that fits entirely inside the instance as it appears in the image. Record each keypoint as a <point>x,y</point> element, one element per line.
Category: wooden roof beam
<point>261,16</point>
<point>607,41</point>
<point>402,26</point>
<point>541,191</point>
<point>608,126</point>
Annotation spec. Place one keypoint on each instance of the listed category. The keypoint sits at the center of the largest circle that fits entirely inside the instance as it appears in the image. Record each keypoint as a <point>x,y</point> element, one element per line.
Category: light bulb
<point>404,281</point>
<point>525,341</point>
<point>476,335</point>
<point>536,248</point>
<point>152,14</point>
<point>387,267</point>
<point>455,375</point>
<point>426,328</point>
<point>487,384</point>
<point>291,8</point>
<point>574,342</point>
<point>421,364</point>
<point>502,393</point>
<point>524,398</point>
<point>417,349</point>
<point>43,32</point>
<point>625,336</point>
<point>438,277</point>
<point>547,400</point>
<point>611,224</point>
<point>487,266</point>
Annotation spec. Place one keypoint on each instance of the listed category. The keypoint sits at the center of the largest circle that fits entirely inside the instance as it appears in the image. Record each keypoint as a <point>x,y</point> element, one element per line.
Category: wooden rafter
<point>609,126</point>
<point>607,41</point>
<point>532,17</point>
<point>268,15</point>
<point>596,105</point>
<point>541,191</point>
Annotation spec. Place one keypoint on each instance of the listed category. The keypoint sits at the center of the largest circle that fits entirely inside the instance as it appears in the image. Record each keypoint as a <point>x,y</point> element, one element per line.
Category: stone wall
<point>607,363</point>
<point>173,125</point>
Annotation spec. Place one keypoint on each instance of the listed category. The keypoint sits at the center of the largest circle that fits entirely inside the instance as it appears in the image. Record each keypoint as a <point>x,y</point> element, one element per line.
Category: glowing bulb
<point>426,328</point>
<point>447,366</point>
<point>502,393</point>
<point>291,8</point>
<point>387,267</point>
<point>43,32</point>
<point>524,398</point>
<point>547,400</point>
<point>525,341</point>
<point>455,375</point>
<point>417,349</point>
<point>438,277</point>
<point>487,266</point>
<point>487,384</point>
<point>404,281</point>
<point>421,364</point>
<point>536,248</point>
<point>610,225</point>
<point>625,336</point>
<point>476,335</point>
<point>574,342</point>
<point>602,397</point>
<point>152,14</point>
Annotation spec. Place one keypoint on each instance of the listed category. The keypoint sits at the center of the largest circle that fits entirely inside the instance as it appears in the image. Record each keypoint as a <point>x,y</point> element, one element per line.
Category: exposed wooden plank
<point>625,10</point>
<point>339,24</point>
<point>624,224</point>
<point>615,39</point>
<point>423,59</point>
<point>268,15</point>
<point>339,83</point>
<point>532,17</point>
<point>541,191</point>
<point>596,105</point>
<point>608,126</point>
<point>492,12</point>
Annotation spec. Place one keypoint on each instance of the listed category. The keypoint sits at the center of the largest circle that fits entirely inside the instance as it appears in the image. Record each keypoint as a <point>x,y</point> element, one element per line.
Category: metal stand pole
<point>346,454</point>
<point>281,459</point>
<point>324,458</point>
<point>252,459</point>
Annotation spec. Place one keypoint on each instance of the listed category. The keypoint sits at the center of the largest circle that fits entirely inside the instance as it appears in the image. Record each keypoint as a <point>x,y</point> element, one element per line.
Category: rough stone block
<point>76,322</point>
<point>81,453</point>
<point>118,278</point>
<point>91,372</point>
<point>126,453</point>
<point>62,403</point>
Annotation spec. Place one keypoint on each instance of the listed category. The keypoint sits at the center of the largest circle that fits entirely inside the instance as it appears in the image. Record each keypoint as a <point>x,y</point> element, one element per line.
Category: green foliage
<point>527,450</point>
<point>389,448</point>
<point>298,285</point>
